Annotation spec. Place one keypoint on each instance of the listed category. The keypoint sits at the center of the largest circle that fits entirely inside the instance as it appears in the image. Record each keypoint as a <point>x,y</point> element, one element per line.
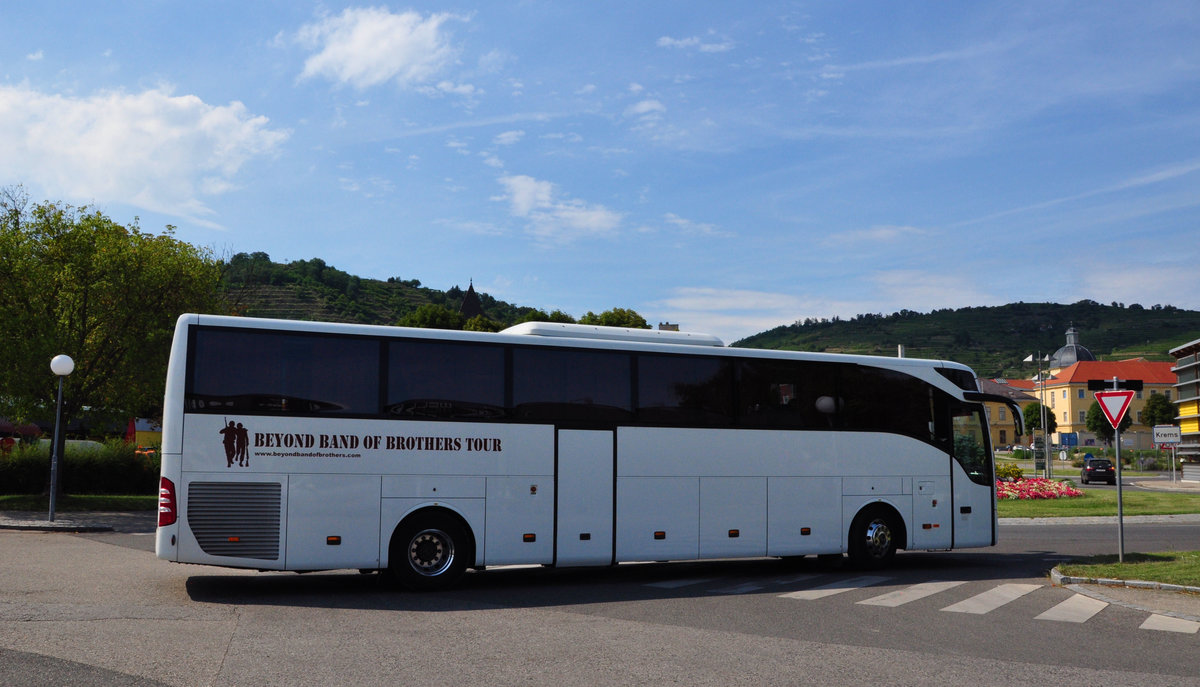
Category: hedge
<point>116,468</point>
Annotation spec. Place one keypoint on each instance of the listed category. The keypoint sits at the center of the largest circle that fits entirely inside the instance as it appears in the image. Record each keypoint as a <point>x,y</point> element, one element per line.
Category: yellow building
<point>1187,390</point>
<point>1000,420</point>
<point>1063,389</point>
<point>1068,397</point>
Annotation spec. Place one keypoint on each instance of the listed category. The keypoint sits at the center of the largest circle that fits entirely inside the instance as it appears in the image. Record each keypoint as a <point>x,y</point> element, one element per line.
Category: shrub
<point>1009,471</point>
<point>117,468</point>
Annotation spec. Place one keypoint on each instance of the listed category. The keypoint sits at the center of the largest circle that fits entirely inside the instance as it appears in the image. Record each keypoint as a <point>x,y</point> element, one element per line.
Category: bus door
<point>584,507</point>
<point>973,478</point>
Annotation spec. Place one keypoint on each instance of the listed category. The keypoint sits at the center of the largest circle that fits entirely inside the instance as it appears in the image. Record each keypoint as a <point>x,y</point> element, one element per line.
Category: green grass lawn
<point>1172,567</point>
<point>1102,502</point>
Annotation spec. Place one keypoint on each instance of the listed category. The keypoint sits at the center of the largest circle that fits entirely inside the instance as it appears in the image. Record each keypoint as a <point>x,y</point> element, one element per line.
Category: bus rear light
<point>167,506</point>
<point>234,540</point>
<point>529,538</point>
<point>734,534</point>
<point>660,535</point>
<point>805,531</point>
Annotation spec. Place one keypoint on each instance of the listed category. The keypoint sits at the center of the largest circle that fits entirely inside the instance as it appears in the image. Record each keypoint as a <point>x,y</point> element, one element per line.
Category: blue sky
<point>726,166</point>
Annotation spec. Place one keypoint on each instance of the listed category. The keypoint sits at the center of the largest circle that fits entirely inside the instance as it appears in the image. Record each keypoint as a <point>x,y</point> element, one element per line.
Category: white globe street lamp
<point>61,365</point>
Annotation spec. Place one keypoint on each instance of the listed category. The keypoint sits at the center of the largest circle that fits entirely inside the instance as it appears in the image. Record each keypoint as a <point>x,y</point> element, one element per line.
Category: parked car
<point>1098,469</point>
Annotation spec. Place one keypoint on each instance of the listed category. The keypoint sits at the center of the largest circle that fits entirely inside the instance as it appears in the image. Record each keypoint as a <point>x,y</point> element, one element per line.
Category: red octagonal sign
<point>1114,404</point>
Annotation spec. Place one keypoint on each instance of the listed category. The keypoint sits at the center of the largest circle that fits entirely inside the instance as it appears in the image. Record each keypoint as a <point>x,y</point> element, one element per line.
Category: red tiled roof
<point>1022,384</point>
<point>1134,368</point>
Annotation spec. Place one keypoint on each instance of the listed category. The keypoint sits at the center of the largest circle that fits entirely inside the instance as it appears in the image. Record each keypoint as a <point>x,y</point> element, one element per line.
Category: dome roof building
<point>1072,353</point>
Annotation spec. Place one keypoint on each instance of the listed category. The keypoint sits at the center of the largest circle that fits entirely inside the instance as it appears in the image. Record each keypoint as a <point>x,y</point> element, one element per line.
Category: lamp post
<point>1042,405</point>
<point>61,365</point>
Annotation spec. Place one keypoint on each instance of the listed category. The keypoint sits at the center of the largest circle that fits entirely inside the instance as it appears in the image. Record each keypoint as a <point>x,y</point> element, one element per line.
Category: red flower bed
<point>1035,489</point>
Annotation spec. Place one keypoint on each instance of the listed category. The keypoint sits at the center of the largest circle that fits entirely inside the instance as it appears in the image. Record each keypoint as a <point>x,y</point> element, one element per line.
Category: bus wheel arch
<point>875,534</point>
<point>430,549</point>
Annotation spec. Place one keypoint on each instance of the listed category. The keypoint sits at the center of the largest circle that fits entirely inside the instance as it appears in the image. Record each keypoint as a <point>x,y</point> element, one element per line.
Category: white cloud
<point>697,228</point>
<point>444,87</point>
<point>35,56</point>
<point>508,138</point>
<point>917,290</point>
<point>553,218</point>
<point>733,314</point>
<point>645,108</point>
<point>647,114</point>
<point>876,234</point>
<point>694,42</point>
<point>152,150</point>
<point>366,47</point>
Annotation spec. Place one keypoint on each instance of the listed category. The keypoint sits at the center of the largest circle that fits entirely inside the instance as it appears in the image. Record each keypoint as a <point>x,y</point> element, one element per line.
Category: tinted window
<point>970,442</point>
<point>438,379</point>
<point>685,390</point>
<point>260,371</point>
<point>564,385</point>
<point>785,394</point>
<point>882,400</point>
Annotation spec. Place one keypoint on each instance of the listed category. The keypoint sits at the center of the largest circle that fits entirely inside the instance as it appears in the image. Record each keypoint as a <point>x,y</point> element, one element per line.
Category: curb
<point>1060,580</point>
<point>56,526</point>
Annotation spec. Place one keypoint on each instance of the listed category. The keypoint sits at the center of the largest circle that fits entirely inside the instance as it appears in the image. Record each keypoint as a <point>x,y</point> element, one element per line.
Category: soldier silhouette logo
<point>236,440</point>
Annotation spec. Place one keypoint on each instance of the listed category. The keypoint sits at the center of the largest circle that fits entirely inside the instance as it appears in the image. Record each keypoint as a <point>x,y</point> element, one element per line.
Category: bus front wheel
<point>873,538</point>
<point>428,552</point>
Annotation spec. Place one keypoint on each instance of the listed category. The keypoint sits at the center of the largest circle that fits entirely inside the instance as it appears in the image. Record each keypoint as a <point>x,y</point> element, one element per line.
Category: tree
<point>1159,411</point>
<point>76,282</point>
<point>535,315</point>
<point>1033,418</point>
<point>433,316</point>
<point>480,323</point>
<point>1099,425</point>
<point>617,317</point>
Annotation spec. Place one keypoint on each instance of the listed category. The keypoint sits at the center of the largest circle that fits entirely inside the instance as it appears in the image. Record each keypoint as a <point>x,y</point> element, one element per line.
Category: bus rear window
<point>244,371</point>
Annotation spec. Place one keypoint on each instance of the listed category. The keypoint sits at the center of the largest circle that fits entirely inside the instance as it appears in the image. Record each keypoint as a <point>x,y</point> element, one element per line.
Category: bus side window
<point>447,380</point>
<point>236,370</point>
<point>685,390</point>
<point>970,442</point>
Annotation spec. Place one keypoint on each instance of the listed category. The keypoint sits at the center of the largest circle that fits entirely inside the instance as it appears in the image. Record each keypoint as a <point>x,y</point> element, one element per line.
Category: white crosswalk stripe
<point>1168,624</point>
<point>1077,609</point>
<point>916,591</point>
<point>992,599</point>
<point>835,588</point>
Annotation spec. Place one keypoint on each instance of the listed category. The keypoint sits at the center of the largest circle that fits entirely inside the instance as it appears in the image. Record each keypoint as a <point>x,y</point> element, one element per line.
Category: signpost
<point>1169,434</point>
<point>1114,404</point>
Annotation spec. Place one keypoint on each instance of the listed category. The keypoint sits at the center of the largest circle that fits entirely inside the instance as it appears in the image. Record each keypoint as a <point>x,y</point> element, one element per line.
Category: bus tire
<point>429,551</point>
<point>873,535</point>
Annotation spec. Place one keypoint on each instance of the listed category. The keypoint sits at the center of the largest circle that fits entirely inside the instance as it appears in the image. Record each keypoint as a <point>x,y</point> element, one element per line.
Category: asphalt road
<point>99,609</point>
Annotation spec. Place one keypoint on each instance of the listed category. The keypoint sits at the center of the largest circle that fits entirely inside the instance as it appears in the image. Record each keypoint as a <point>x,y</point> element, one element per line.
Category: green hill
<point>994,340</point>
<point>311,290</point>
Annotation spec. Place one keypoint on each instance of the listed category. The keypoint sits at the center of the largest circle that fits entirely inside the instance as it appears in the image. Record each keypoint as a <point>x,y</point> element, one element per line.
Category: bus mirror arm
<point>980,397</point>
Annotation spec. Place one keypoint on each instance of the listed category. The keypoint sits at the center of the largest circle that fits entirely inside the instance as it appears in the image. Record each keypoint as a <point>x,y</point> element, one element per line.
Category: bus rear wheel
<point>873,539</point>
<point>428,552</point>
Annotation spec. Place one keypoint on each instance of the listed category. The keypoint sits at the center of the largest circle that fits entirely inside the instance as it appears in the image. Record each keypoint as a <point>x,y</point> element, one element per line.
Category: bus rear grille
<point>235,518</point>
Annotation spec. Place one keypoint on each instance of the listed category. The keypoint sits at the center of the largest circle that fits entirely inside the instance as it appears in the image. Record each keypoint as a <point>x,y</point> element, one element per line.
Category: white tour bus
<point>313,446</point>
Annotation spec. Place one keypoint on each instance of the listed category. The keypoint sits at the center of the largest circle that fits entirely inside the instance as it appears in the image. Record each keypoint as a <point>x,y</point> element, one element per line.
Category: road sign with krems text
<point>1167,434</point>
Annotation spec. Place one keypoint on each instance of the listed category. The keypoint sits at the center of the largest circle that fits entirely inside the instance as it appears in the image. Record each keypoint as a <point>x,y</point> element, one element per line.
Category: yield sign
<point>1114,404</point>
